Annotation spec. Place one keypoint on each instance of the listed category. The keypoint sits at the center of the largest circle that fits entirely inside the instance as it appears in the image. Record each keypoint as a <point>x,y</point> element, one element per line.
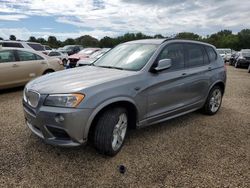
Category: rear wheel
<point>213,102</point>
<point>110,131</point>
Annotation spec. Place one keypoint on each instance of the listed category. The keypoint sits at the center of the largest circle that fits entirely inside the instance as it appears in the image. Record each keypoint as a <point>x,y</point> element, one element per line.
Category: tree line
<point>221,39</point>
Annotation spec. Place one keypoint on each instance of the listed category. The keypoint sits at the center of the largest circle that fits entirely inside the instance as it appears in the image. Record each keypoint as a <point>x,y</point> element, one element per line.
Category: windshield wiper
<point>110,67</point>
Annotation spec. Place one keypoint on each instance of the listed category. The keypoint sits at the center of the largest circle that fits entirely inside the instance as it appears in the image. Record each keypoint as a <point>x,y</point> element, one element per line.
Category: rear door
<point>30,65</point>
<point>9,72</point>
<point>197,73</point>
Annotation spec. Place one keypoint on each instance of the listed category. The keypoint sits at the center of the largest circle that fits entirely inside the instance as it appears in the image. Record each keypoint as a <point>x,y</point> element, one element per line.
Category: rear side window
<point>27,56</point>
<point>12,44</point>
<point>175,52</point>
<point>211,53</point>
<point>7,56</point>
<point>54,54</point>
<point>195,55</point>
<point>37,47</point>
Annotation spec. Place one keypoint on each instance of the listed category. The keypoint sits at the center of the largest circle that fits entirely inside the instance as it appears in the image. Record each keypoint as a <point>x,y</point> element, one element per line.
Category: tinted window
<point>7,56</point>
<point>54,54</point>
<point>211,53</point>
<point>47,48</point>
<point>37,47</point>
<point>195,55</point>
<point>175,52</point>
<point>12,44</point>
<point>26,56</point>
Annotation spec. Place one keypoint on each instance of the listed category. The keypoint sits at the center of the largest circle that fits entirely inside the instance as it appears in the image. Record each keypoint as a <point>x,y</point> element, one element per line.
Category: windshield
<point>127,56</point>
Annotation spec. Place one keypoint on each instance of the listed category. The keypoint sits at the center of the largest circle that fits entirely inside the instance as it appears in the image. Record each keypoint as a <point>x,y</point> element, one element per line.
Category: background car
<point>18,66</point>
<point>93,57</point>
<point>85,53</point>
<point>62,56</point>
<point>22,44</point>
<point>225,53</point>
<point>71,49</point>
<point>244,59</point>
<point>47,48</point>
<point>233,58</point>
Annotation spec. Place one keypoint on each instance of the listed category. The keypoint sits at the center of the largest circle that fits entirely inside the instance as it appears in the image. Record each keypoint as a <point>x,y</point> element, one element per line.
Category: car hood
<point>75,80</point>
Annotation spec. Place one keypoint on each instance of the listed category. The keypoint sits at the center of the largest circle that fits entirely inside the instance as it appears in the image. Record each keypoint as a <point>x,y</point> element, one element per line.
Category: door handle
<point>209,68</point>
<point>184,74</point>
<point>15,65</point>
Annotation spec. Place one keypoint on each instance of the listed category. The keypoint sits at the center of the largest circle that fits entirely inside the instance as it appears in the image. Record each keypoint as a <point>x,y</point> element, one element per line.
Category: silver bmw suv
<point>136,84</point>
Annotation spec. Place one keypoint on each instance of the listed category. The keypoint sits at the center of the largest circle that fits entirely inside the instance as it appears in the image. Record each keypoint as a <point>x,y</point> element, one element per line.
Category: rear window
<point>12,44</point>
<point>37,47</point>
<point>211,53</point>
<point>195,55</point>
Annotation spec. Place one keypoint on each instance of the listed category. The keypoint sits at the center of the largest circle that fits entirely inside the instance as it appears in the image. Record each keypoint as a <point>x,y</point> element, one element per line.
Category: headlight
<point>64,100</point>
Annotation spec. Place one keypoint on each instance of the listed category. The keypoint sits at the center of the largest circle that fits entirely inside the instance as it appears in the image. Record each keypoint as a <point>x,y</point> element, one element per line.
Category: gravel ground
<point>190,151</point>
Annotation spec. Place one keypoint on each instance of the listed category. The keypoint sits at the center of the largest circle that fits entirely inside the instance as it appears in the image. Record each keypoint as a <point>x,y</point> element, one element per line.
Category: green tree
<point>12,37</point>
<point>32,39</point>
<point>87,41</point>
<point>188,35</point>
<point>244,38</point>
<point>52,41</point>
<point>107,42</point>
<point>69,41</point>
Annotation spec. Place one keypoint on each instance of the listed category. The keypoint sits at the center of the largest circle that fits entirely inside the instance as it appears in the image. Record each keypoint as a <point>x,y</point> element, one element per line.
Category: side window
<point>38,57</point>
<point>211,53</point>
<point>12,44</point>
<point>7,56</point>
<point>26,56</point>
<point>37,47</point>
<point>54,54</point>
<point>175,52</point>
<point>195,55</point>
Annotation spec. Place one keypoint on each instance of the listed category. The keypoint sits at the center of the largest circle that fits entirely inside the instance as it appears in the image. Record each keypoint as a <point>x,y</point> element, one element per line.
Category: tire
<point>236,65</point>
<point>48,71</point>
<point>64,62</point>
<point>213,103</point>
<point>249,68</point>
<point>109,134</point>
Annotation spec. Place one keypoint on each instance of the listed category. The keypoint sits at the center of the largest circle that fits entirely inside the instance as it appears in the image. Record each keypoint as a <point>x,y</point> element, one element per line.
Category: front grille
<point>32,98</point>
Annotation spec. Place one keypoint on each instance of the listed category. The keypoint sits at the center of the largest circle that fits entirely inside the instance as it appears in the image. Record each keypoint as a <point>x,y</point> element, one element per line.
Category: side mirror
<point>163,64</point>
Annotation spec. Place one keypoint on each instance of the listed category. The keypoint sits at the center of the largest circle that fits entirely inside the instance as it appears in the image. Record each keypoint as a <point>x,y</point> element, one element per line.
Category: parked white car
<point>62,56</point>
<point>23,44</point>
<point>225,53</point>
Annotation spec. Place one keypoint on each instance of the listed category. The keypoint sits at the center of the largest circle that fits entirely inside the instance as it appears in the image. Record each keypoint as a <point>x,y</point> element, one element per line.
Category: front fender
<point>100,107</point>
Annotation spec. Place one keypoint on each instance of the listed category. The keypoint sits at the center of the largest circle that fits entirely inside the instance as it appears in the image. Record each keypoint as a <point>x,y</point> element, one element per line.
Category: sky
<point>99,18</point>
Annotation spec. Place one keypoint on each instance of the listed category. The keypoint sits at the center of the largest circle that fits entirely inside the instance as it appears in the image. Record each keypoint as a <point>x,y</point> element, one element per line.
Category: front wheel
<point>110,131</point>
<point>213,101</point>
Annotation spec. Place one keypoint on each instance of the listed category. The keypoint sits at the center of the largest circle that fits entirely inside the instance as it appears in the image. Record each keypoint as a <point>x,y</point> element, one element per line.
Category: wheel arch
<point>125,102</point>
<point>219,83</point>
<point>48,70</point>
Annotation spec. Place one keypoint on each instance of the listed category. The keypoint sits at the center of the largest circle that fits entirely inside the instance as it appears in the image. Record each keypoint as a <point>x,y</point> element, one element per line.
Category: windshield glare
<point>128,56</point>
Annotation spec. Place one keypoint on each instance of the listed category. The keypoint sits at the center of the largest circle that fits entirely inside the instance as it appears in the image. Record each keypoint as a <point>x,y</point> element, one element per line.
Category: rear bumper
<point>58,126</point>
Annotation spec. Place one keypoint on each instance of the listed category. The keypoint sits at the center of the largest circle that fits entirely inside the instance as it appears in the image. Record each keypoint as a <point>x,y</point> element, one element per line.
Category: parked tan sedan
<point>18,66</point>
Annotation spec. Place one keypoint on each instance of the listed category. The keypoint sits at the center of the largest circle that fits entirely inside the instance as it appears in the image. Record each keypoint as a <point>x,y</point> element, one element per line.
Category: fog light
<point>59,118</point>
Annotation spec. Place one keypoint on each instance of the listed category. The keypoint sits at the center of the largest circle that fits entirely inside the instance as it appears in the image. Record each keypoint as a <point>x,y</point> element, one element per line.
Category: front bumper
<point>57,126</point>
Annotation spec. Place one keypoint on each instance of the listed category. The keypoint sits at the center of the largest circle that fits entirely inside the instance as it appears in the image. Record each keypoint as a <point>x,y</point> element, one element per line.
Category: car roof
<point>161,41</point>
<point>23,49</point>
<point>18,41</point>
